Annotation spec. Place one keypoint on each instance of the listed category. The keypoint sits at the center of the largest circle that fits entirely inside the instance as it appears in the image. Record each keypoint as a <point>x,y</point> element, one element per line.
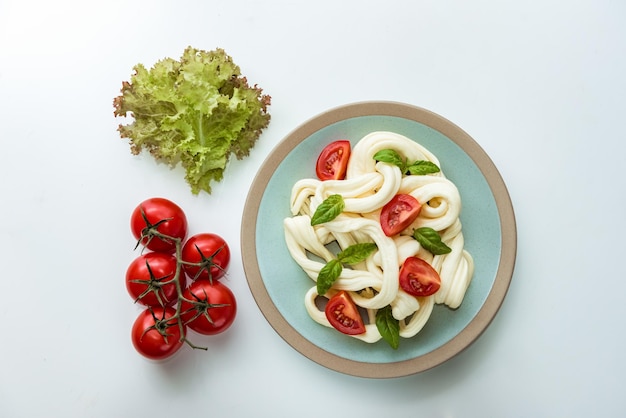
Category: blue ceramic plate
<point>279,285</point>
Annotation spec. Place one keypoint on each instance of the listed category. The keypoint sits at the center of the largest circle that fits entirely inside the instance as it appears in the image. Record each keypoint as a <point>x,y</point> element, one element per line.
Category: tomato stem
<point>179,289</point>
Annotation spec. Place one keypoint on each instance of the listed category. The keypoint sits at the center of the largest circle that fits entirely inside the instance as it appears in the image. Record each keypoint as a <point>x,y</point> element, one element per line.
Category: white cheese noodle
<point>419,319</point>
<point>374,283</point>
<point>300,195</point>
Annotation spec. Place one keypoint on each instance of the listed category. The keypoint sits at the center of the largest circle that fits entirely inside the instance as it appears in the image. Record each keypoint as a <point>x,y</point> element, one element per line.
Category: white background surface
<point>538,84</point>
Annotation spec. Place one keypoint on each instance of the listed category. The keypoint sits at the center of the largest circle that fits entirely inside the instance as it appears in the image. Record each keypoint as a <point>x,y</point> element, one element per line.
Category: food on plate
<point>195,111</point>
<point>396,201</point>
<point>418,278</point>
<point>343,314</point>
<point>158,280</point>
<point>333,161</point>
<point>397,214</point>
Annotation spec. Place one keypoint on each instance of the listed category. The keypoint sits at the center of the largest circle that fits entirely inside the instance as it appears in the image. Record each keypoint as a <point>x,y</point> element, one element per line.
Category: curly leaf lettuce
<point>195,112</point>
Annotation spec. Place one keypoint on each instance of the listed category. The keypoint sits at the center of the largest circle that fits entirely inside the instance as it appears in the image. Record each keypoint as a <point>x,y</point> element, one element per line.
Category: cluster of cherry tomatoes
<point>177,280</point>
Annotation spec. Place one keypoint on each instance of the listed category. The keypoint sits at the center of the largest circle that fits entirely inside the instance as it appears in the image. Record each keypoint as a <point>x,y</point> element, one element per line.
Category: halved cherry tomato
<point>333,161</point>
<point>418,278</point>
<point>343,314</point>
<point>399,213</point>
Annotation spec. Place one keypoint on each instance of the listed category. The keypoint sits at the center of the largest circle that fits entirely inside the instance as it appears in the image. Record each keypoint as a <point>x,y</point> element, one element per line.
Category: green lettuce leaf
<point>197,112</point>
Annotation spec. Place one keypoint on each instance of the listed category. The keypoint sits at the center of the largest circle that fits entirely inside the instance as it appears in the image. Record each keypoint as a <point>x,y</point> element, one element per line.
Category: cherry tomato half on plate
<point>333,161</point>
<point>418,278</point>
<point>343,314</point>
<point>205,256</point>
<point>399,213</point>
<point>158,215</point>
<point>145,278</point>
<point>155,335</point>
<point>213,310</point>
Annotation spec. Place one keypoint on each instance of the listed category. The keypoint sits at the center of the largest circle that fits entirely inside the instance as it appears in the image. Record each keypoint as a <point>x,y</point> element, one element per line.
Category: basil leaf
<point>328,210</point>
<point>331,270</point>
<point>388,326</point>
<point>431,240</point>
<point>422,167</point>
<point>356,253</point>
<point>392,157</point>
<point>327,276</point>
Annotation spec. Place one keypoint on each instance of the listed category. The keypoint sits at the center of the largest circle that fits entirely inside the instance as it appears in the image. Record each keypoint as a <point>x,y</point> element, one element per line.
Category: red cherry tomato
<point>333,161</point>
<point>155,335</point>
<point>213,309</point>
<point>145,277</point>
<point>399,213</point>
<point>343,314</point>
<point>205,256</point>
<point>418,278</point>
<point>158,216</point>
